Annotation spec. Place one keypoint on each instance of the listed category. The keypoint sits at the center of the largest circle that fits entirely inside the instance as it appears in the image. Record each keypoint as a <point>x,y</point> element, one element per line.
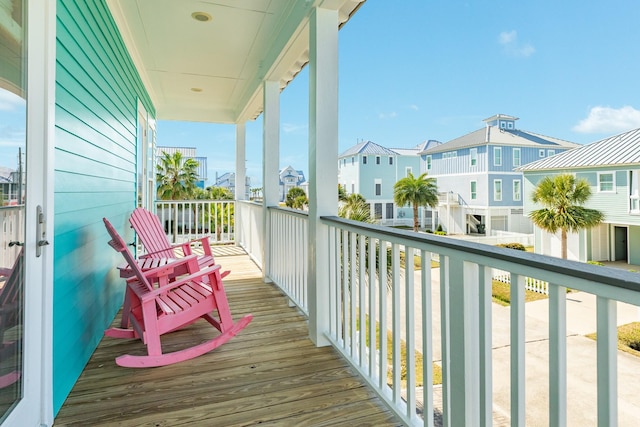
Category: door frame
<point>36,406</point>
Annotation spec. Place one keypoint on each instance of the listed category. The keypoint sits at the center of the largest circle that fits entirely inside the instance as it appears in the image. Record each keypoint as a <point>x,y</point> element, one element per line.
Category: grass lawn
<point>501,293</point>
<point>628,338</point>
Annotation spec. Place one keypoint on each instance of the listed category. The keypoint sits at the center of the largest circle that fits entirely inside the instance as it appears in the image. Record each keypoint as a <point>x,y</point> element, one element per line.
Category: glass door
<point>13,186</point>
<point>26,123</point>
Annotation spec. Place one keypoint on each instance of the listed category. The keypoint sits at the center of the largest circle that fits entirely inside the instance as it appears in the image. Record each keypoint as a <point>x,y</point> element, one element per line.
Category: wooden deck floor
<point>270,374</point>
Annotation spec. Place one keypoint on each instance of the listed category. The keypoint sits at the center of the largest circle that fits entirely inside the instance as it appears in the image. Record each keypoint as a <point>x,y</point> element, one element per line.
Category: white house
<point>290,178</point>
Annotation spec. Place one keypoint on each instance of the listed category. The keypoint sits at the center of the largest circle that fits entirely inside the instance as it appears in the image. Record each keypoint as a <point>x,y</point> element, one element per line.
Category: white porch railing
<point>531,284</point>
<point>192,219</point>
<point>12,220</point>
<point>288,253</point>
<point>379,304</point>
<point>250,229</point>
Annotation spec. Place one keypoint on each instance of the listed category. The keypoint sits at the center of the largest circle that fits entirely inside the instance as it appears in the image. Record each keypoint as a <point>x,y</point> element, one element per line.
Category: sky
<point>413,70</point>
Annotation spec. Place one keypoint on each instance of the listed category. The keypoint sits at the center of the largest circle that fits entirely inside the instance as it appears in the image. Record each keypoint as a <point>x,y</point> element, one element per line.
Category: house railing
<point>288,253</point>
<point>379,303</point>
<point>531,284</point>
<point>12,230</point>
<point>250,229</point>
<point>192,219</point>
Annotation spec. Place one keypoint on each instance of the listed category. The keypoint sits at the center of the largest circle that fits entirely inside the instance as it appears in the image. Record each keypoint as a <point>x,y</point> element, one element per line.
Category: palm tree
<point>355,207</point>
<point>416,191</point>
<point>176,177</point>
<point>219,193</point>
<point>296,198</point>
<point>562,198</point>
<point>342,193</point>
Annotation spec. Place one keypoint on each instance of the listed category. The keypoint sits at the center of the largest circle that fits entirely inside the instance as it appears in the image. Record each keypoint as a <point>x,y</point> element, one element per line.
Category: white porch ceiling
<point>213,71</point>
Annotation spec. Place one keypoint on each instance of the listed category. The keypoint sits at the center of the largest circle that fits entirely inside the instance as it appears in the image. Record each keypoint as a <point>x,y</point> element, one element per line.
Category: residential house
<point>481,192</point>
<point>612,168</point>
<point>228,180</point>
<point>290,178</point>
<point>188,153</point>
<point>372,170</point>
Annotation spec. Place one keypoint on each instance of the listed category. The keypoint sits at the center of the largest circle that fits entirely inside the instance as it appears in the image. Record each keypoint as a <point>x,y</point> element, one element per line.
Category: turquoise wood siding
<point>97,93</point>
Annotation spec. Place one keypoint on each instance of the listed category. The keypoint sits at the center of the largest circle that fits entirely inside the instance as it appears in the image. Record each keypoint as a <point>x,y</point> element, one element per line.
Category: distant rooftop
<point>621,149</point>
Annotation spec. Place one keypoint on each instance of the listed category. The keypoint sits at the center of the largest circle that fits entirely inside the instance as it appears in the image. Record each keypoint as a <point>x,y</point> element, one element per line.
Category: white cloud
<point>9,101</point>
<point>391,115</point>
<point>414,107</point>
<point>291,127</point>
<point>513,47</point>
<point>608,120</point>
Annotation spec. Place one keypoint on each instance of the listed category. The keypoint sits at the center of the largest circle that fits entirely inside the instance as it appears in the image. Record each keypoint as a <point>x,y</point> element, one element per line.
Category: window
<point>509,125</point>
<point>390,160</point>
<point>497,190</point>
<point>450,155</point>
<point>541,153</point>
<point>353,188</point>
<point>474,190</point>
<point>353,159</point>
<point>634,192</point>
<point>408,170</point>
<point>517,190</point>
<point>606,182</point>
<point>551,153</point>
<point>378,210</point>
<point>473,156</point>
<point>516,157</point>
<point>378,189</point>
<point>497,156</point>
<point>389,211</point>
<point>503,125</point>
<point>377,160</point>
<point>428,163</point>
<point>364,160</point>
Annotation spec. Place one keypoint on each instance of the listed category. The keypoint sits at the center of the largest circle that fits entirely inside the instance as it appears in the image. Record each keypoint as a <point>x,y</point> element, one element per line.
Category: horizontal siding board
<point>73,135</point>
<point>97,94</point>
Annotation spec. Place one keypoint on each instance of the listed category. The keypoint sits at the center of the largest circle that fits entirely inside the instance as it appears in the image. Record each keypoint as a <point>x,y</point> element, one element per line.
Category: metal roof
<point>497,136</point>
<point>368,147</point>
<point>621,149</point>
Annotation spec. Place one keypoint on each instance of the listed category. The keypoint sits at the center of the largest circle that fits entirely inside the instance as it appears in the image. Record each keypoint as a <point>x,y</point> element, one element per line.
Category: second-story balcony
<point>379,293</point>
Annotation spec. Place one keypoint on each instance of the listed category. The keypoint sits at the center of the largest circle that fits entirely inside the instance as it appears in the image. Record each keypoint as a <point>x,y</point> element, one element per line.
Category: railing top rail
<point>617,278</point>
<point>289,211</point>
<point>175,202</point>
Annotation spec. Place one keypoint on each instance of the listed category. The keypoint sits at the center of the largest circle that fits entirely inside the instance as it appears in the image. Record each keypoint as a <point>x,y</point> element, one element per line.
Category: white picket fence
<point>534,285</point>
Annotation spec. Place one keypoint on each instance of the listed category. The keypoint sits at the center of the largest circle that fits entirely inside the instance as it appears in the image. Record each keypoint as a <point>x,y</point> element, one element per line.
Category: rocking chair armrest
<point>177,283</point>
<point>204,241</point>
<point>169,268</point>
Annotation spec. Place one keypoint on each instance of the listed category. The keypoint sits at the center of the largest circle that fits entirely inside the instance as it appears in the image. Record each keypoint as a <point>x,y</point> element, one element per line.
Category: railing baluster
<point>486,368</point>
<point>334,262</point>
<point>372,307</point>
<point>517,351</point>
<point>353,294</point>
<point>445,338</point>
<point>607,344</point>
<point>362,299</point>
<point>345,289</point>
<point>410,343</point>
<point>395,290</point>
<point>557,356</point>
<point>384,280</point>
<point>427,339</point>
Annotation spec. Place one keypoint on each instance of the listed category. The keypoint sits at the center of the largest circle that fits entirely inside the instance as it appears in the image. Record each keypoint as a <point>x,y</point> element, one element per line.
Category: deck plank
<point>269,374</point>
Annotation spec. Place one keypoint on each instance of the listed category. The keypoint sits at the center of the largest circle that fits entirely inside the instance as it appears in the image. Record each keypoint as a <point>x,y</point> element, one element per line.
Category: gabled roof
<point>621,149</point>
<point>368,147</point>
<point>497,136</point>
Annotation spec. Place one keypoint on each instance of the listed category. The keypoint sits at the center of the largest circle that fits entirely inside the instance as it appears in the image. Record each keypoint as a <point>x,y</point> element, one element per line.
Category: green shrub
<point>428,230</point>
<point>595,263</point>
<point>439,227</point>
<point>516,246</point>
<point>441,233</point>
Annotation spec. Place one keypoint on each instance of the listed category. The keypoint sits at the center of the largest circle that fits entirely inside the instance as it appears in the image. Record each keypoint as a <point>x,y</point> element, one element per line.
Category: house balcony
<point>520,365</point>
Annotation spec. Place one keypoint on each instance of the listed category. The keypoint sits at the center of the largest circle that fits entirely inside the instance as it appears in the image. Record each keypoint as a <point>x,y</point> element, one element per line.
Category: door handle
<point>15,243</point>
<point>41,231</point>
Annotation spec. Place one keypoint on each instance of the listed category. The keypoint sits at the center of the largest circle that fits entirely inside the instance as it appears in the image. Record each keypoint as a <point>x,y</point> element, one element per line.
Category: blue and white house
<point>612,168</point>
<point>372,170</point>
<point>481,192</point>
<point>290,178</point>
<point>228,180</point>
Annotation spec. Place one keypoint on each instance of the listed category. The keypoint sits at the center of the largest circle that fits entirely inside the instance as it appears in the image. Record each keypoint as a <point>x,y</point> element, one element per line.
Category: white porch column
<point>241,159</point>
<point>323,162</point>
<point>270,156</point>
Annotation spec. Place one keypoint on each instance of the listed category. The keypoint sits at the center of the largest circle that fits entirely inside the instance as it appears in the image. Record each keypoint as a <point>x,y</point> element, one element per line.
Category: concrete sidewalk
<point>581,359</point>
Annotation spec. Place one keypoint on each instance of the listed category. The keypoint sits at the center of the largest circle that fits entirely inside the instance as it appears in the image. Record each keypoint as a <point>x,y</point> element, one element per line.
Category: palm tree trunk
<point>415,217</point>
<point>563,241</point>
